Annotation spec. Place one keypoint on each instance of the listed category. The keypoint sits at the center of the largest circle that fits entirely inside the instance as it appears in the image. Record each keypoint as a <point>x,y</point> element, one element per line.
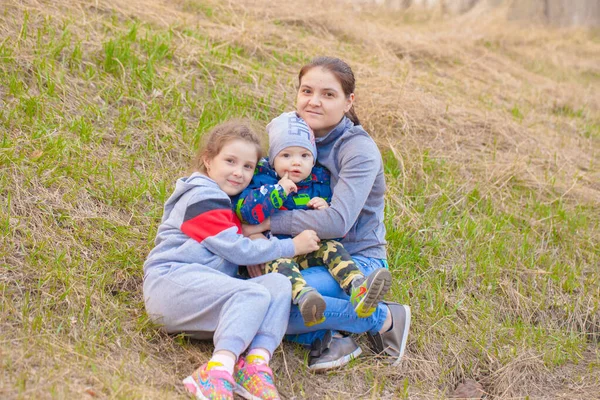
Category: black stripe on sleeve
<point>206,205</point>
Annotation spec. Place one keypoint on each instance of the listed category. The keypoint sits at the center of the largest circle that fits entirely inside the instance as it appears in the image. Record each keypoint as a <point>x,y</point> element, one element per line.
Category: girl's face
<point>321,101</point>
<point>233,167</point>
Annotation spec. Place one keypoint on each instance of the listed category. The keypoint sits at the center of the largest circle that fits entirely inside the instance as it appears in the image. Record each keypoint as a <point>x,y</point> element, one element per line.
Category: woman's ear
<point>206,163</point>
<point>349,102</point>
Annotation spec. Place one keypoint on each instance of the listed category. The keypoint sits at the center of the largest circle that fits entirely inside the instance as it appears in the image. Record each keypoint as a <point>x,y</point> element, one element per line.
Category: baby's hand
<point>287,184</point>
<point>318,203</point>
<point>306,242</point>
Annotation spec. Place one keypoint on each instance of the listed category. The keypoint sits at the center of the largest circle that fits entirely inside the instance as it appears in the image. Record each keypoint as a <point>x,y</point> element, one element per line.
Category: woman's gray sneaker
<point>339,353</point>
<point>319,345</point>
<point>393,342</point>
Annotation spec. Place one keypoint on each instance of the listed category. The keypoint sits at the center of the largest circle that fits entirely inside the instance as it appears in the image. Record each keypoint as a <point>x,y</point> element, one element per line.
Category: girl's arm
<point>240,250</point>
<point>360,163</point>
<point>209,219</point>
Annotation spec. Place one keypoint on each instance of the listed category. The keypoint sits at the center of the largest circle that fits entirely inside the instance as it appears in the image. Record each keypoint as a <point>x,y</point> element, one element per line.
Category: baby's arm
<point>254,205</point>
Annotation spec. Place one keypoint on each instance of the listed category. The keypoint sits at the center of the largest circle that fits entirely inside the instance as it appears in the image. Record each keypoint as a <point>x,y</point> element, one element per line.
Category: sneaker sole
<point>239,390</point>
<point>380,283</point>
<point>312,310</point>
<point>189,381</point>
<point>337,363</point>
<point>404,335</point>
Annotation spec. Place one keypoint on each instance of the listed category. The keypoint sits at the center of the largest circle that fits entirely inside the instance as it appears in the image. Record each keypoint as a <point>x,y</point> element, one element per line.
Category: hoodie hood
<point>183,186</point>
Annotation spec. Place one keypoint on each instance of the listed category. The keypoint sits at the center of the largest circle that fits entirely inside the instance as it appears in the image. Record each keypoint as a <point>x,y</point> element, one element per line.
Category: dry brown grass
<point>515,110</point>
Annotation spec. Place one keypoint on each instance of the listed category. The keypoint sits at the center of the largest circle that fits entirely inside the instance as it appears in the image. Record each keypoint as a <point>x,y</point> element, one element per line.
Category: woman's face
<point>321,101</point>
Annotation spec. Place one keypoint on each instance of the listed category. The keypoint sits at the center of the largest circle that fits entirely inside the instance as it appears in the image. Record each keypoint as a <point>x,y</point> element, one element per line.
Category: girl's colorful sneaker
<point>254,381</point>
<point>210,384</point>
<point>367,292</point>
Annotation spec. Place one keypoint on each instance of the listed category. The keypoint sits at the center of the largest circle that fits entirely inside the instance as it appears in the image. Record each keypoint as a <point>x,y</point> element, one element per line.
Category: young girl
<point>189,276</point>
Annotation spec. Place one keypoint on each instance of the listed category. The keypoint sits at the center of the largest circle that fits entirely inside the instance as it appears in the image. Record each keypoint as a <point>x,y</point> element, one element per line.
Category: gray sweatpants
<point>205,303</point>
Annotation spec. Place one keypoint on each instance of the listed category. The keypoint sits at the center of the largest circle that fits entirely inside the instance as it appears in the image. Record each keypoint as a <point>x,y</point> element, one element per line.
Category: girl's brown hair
<point>341,71</point>
<point>219,136</point>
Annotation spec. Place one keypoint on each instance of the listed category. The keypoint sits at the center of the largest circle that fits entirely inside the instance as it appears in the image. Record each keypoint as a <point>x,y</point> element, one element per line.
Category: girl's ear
<point>349,102</point>
<point>206,163</point>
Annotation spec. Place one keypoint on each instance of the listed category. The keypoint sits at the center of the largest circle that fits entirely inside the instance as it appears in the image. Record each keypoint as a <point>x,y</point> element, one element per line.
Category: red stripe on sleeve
<point>210,223</point>
<point>237,222</point>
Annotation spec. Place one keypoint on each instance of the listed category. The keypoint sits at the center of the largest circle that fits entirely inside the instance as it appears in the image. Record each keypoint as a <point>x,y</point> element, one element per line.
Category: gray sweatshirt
<point>356,211</point>
<point>199,227</point>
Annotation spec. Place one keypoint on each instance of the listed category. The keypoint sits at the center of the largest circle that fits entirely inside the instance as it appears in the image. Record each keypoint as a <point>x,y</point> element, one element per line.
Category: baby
<point>289,180</point>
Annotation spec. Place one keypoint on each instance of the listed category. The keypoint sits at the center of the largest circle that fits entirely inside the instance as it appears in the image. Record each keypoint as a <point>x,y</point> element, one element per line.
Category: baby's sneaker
<point>207,383</point>
<point>367,292</point>
<point>254,381</point>
<point>312,307</point>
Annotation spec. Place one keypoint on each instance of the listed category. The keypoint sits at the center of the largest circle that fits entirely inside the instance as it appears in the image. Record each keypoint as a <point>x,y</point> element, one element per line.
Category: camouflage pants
<point>331,254</point>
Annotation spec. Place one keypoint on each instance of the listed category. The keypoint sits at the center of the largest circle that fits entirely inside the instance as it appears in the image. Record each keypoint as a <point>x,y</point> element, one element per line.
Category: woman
<point>325,101</point>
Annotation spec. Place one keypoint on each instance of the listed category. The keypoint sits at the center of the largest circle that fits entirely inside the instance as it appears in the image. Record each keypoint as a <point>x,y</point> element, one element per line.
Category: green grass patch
<point>101,110</point>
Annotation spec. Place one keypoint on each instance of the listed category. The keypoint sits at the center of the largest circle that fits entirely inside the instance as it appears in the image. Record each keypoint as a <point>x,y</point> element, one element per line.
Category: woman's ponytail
<point>351,114</point>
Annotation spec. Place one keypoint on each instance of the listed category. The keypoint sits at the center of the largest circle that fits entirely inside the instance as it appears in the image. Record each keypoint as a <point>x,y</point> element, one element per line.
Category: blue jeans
<point>339,313</point>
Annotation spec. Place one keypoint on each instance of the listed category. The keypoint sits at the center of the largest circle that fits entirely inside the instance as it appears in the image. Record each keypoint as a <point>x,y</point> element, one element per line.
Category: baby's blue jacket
<point>264,196</point>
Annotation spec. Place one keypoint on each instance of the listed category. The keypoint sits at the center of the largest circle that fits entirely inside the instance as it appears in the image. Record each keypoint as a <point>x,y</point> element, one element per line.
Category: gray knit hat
<point>289,130</point>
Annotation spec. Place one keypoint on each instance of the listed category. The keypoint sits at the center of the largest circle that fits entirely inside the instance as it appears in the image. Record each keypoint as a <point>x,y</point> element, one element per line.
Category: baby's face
<point>296,161</point>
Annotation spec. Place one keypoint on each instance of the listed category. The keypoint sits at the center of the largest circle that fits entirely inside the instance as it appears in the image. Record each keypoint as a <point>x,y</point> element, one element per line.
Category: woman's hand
<point>306,242</point>
<point>249,230</point>
<point>317,203</point>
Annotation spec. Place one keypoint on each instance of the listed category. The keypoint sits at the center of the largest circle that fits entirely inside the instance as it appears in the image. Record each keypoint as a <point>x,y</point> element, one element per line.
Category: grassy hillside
<point>491,141</point>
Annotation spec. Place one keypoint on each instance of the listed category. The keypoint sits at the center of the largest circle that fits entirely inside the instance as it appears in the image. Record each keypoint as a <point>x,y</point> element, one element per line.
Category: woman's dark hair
<point>341,71</point>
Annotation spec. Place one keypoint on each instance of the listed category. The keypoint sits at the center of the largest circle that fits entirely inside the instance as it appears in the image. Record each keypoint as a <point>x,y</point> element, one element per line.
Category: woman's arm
<point>360,163</point>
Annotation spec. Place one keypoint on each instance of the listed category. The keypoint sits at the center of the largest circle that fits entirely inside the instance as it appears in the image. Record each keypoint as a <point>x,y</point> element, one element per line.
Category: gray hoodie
<point>199,227</point>
<point>356,211</point>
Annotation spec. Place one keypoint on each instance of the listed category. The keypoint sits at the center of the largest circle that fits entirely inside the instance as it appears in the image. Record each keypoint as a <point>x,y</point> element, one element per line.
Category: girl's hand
<point>256,270</point>
<point>287,184</point>
<point>306,242</point>
<point>318,203</point>
<point>249,230</point>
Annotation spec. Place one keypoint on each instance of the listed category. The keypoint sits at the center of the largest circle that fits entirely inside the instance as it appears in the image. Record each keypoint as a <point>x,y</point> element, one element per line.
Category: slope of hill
<point>491,141</point>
